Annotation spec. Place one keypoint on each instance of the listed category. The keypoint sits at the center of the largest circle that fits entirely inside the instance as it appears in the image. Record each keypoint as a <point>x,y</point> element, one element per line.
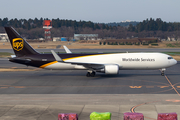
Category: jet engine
<point>110,69</point>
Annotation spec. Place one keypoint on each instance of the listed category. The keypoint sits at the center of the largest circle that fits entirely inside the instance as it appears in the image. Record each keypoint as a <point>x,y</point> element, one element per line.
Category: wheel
<point>88,74</point>
<point>162,74</point>
<point>93,74</point>
<point>162,71</point>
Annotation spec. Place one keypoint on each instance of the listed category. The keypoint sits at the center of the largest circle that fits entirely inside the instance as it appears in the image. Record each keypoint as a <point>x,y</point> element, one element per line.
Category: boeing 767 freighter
<point>99,62</point>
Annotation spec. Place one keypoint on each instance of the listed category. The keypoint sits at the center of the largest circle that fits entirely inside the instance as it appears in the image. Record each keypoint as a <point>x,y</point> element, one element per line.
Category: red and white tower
<point>47,25</point>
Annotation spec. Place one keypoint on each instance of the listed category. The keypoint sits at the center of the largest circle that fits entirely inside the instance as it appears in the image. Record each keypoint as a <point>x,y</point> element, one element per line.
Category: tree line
<point>123,24</point>
<point>56,23</point>
<point>33,28</point>
<point>154,25</point>
<point>146,25</point>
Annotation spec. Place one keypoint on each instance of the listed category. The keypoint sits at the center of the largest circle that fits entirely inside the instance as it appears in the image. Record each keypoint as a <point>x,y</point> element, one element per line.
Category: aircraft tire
<point>88,74</point>
<point>93,74</point>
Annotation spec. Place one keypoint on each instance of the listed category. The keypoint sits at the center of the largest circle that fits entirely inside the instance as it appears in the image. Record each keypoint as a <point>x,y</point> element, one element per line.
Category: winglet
<point>56,56</point>
<point>66,49</point>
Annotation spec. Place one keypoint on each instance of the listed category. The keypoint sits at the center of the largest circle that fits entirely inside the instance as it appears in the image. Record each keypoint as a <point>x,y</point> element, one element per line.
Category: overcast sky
<point>92,10</point>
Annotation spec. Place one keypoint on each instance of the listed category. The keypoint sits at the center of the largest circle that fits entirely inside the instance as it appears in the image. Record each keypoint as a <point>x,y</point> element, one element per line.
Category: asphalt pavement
<point>42,94</point>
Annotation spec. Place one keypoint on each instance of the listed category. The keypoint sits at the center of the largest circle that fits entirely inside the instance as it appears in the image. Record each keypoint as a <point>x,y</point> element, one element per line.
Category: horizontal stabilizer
<point>13,56</point>
<point>20,60</point>
<point>66,49</point>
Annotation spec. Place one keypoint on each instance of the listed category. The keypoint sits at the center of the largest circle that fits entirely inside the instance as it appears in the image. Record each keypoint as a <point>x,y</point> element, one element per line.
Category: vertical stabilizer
<point>19,45</point>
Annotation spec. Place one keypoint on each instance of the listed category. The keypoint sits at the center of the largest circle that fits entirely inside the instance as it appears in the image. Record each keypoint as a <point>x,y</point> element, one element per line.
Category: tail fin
<point>19,45</point>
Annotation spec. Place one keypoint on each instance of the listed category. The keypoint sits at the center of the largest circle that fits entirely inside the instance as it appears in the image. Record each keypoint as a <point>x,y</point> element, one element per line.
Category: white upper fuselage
<point>124,60</point>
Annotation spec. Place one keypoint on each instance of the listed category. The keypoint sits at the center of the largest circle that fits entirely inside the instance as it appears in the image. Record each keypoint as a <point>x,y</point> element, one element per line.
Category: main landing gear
<point>91,74</point>
<point>162,71</point>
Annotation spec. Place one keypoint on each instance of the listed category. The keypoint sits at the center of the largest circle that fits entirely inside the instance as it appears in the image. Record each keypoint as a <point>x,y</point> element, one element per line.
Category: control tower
<point>47,25</point>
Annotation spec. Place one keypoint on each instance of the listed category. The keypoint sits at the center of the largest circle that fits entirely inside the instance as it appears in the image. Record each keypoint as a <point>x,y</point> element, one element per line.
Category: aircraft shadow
<point>102,75</point>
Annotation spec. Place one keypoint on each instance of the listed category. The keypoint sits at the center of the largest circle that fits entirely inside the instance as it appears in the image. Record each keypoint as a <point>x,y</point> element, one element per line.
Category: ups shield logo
<point>18,44</point>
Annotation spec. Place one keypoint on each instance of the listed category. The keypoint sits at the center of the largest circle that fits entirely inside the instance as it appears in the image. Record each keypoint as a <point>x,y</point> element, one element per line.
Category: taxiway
<point>39,81</point>
<point>42,94</point>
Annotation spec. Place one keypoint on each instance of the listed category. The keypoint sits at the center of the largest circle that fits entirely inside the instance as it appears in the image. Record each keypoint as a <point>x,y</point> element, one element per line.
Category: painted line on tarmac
<point>133,109</point>
<point>15,69</point>
<point>172,85</point>
<point>132,87</point>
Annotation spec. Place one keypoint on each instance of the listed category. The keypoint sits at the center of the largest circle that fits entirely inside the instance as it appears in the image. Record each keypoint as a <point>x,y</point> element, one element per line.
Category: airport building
<point>4,37</point>
<point>131,41</point>
<point>85,36</point>
<point>63,39</point>
<point>56,39</point>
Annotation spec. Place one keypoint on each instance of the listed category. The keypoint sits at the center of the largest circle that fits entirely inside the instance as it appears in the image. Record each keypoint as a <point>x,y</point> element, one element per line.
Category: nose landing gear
<point>162,71</point>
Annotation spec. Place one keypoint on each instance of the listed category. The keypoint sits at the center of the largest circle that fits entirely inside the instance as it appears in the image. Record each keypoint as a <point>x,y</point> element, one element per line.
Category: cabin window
<point>170,58</point>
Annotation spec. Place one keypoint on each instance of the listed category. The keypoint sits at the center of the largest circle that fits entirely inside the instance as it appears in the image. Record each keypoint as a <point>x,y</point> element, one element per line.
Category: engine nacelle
<point>111,69</point>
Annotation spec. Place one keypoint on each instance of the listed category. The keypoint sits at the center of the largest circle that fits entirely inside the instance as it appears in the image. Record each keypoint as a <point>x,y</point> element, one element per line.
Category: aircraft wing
<point>91,66</point>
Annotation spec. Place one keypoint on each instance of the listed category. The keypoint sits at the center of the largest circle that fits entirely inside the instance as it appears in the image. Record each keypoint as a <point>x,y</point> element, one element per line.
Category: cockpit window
<point>170,58</point>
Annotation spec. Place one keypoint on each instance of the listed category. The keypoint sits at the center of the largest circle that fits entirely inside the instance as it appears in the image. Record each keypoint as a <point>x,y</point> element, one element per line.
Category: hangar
<point>85,36</point>
<point>4,37</point>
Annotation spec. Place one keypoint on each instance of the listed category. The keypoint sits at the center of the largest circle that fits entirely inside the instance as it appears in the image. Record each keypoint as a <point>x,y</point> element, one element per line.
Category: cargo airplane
<point>108,63</point>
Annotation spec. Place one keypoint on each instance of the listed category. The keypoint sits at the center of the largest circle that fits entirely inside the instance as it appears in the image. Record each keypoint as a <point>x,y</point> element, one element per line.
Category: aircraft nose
<point>175,62</point>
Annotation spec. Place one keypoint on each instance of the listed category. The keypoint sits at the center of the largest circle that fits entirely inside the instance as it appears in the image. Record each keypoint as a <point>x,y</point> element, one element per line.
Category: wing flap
<point>93,66</point>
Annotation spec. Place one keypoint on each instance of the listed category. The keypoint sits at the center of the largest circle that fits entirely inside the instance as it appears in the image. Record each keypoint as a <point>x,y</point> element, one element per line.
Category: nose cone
<point>174,62</point>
